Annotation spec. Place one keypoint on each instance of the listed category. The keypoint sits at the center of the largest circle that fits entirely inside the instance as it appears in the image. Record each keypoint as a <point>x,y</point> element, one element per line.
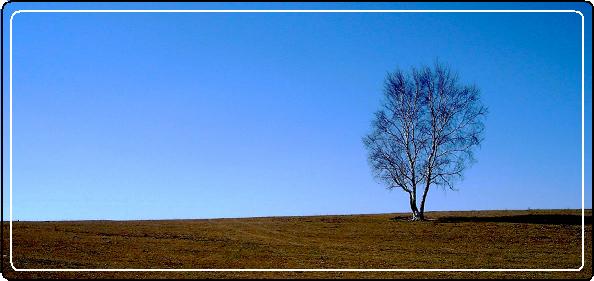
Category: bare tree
<point>425,132</point>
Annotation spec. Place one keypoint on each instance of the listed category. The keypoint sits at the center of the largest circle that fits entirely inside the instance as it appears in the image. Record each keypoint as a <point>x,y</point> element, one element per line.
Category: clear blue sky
<point>155,116</point>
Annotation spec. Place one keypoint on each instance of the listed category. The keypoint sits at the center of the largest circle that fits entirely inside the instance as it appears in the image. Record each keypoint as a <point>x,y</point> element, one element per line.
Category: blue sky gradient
<point>194,115</point>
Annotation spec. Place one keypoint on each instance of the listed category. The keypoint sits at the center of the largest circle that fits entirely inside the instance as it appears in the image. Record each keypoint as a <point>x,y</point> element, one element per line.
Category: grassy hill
<point>473,239</point>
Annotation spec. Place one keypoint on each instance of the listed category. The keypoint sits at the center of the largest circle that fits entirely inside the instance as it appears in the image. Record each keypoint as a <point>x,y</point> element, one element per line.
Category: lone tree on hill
<point>425,132</point>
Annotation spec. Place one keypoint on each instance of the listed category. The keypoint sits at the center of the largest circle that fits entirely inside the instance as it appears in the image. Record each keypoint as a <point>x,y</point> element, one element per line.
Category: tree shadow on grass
<point>536,219</point>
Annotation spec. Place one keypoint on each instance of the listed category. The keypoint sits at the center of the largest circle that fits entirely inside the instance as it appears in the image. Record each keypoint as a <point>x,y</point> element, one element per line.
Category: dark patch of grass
<point>563,219</point>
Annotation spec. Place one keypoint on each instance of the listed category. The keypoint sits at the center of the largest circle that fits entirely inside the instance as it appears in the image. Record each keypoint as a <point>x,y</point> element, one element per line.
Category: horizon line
<point>296,216</point>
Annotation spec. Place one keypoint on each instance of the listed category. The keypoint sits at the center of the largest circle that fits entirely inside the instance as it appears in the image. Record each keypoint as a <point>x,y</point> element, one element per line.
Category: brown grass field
<point>533,239</point>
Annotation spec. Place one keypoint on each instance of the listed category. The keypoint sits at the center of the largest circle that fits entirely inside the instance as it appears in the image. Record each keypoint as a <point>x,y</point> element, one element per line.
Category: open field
<point>478,239</point>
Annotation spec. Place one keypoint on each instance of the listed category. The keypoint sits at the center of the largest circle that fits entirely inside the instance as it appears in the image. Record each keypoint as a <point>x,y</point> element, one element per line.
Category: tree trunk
<point>422,211</point>
<point>413,208</point>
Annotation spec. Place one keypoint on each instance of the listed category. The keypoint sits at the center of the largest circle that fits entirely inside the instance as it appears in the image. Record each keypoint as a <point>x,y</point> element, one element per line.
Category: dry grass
<point>482,239</point>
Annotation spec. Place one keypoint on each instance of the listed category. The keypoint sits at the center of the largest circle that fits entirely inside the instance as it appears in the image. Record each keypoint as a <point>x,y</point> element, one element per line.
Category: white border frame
<point>294,11</point>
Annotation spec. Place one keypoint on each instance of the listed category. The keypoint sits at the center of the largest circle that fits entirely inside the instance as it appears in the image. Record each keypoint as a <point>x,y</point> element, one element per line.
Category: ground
<point>535,239</point>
